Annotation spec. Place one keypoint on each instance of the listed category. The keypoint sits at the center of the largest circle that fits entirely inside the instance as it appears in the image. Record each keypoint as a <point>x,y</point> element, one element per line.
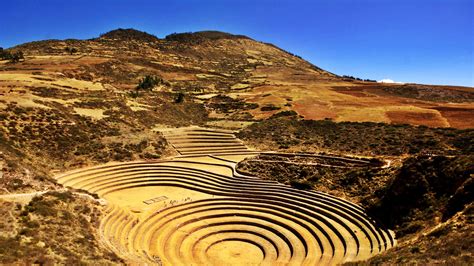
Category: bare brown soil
<point>416,118</point>
<point>452,114</point>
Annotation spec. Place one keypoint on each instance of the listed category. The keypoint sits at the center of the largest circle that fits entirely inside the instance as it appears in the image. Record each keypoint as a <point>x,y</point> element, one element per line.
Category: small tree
<point>146,83</point>
<point>5,55</point>
<point>70,50</point>
<point>149,82</point>
<point>16,57</point>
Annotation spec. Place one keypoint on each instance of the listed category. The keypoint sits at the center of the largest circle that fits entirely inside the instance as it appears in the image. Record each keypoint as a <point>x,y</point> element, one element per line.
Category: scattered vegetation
<point>62,140</point>
<point>451,243</point>
<point>284,113</point>
<point>290,133</point>
<point>70,50</point>
<point>351,78</point>
<point>225,104</point>
<point>18,175</point>
<point>362,180</point>
<point>422,189</point>
<point>430,93</point>
<point>12,57</point>
<point>197,37</point>
<point>409,197</point>
<point>55,228</point>
<point>269,107</point>
<point>129,34</point>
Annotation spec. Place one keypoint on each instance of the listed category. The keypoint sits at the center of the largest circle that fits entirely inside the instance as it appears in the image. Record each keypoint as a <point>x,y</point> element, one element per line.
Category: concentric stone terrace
<point>201,141</point>
<point>196,209</point>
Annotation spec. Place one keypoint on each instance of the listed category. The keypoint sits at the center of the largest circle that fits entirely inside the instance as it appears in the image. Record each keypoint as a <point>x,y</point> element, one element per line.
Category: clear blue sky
<point>423,41</point>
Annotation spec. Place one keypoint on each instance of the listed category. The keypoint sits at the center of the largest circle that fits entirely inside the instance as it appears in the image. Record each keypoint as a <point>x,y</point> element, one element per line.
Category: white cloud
<point>389,81</point>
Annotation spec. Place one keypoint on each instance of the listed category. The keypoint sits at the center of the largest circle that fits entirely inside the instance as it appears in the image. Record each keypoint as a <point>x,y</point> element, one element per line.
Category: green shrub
<point>415,249</point>
<point>15,184</point>
<point>148,83</point>
<point>16,57</point>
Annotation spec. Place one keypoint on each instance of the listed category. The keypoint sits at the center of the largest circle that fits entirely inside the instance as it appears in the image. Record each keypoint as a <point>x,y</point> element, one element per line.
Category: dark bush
<point>270,107</point>
<point>179,97</point>
<point>66,196</point>
<point>70,50</point>
<point>284,113</point>
<point>148,83</point>
<point>41,206</point>
<point>16,57</point>
<point>303,185</point>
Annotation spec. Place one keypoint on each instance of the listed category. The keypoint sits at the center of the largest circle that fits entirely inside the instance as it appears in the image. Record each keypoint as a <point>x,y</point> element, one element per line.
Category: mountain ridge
<point>213,62</point>
<point>130,34</point>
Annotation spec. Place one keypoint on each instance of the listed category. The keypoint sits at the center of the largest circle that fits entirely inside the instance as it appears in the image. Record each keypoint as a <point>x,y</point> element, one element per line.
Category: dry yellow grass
<point>41,80</point>
<point>94,113</point>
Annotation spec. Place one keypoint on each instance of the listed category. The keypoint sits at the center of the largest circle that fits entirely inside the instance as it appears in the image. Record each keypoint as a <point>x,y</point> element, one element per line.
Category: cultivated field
<point>344,101</point>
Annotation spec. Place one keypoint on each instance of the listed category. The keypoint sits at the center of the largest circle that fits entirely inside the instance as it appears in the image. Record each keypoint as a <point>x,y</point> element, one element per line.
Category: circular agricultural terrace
<point>195,209</point>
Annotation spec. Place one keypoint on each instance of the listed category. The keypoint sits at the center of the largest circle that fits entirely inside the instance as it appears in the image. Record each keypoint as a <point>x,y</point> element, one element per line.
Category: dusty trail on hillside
<point>196,209</point>
<point>22,197</point>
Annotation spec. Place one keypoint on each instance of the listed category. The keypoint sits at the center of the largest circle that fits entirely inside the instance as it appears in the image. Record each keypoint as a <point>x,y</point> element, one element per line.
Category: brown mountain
<point>210,62</point>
